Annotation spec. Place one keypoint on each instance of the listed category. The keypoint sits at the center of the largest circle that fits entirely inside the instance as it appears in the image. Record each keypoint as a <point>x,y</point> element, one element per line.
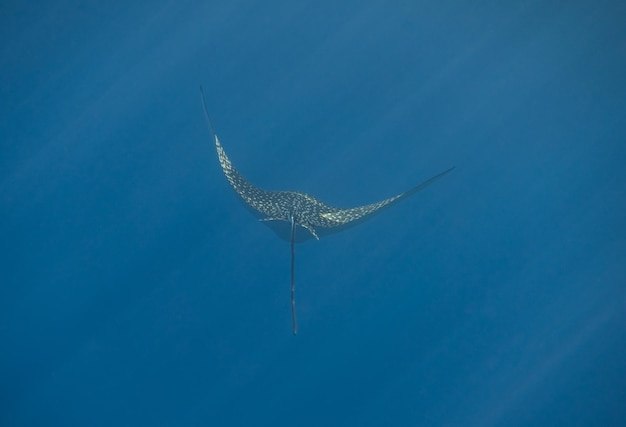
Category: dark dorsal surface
<point>295,216</point>
<point>277,208</point>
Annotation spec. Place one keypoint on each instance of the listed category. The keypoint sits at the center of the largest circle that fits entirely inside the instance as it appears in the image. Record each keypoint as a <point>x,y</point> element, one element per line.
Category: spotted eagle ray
<point>296,216</point>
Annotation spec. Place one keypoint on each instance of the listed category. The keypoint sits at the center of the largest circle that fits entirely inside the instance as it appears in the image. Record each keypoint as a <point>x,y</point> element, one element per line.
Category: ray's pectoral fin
<point>344,218</point>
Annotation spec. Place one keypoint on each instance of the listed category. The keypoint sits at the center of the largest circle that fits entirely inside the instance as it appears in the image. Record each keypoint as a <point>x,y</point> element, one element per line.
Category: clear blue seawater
<point>136,290</point>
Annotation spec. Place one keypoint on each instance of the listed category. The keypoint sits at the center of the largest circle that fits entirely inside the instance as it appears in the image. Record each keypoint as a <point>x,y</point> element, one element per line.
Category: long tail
<point>293,281</point>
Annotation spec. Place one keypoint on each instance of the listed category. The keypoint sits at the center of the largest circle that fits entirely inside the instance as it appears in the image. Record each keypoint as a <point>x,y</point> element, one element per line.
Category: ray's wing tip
<point>445,172</point>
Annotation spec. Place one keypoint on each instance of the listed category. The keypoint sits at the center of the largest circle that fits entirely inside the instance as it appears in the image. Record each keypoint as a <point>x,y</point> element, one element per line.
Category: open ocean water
<point>136,290</point>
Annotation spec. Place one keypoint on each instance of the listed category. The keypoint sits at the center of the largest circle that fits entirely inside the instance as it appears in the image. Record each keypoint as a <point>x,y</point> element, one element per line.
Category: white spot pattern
<point>307,211</point>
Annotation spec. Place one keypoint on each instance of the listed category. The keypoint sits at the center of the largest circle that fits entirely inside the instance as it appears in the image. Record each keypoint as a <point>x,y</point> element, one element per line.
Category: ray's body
<point>300,210</point>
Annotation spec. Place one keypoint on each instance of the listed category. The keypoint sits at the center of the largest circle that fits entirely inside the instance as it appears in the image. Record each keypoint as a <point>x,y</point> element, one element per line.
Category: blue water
<point>135,289</point>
